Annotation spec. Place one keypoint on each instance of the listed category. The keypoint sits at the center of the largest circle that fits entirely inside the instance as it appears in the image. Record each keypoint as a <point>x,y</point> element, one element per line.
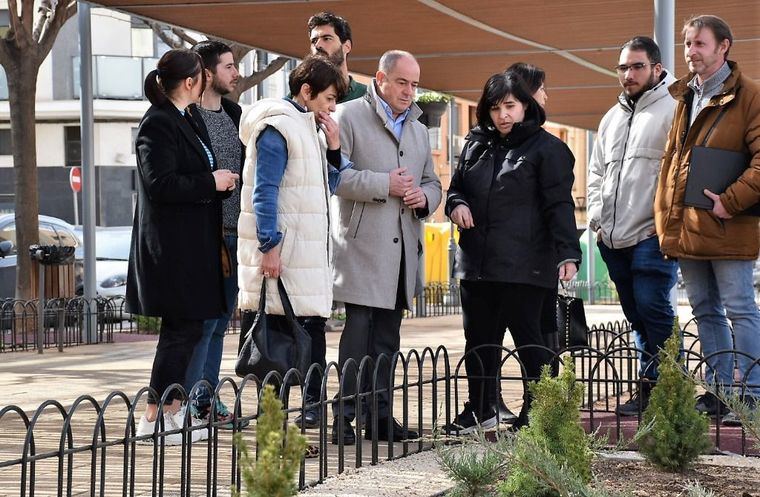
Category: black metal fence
<point>92,448</point>
<point>77,321</point>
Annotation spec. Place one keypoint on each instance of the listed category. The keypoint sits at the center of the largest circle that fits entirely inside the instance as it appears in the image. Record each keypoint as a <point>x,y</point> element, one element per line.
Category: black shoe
<point>635,405</point>
<point>467,422</point>
<point>309,419</point>
<point>505,415</point>
<point>711,405</point>
<point>382,431</point>
<point>731,419</point>
<point>349,437</point>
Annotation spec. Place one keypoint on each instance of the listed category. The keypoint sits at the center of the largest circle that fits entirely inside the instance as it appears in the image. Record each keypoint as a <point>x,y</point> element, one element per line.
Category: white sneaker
<point>172,422</point>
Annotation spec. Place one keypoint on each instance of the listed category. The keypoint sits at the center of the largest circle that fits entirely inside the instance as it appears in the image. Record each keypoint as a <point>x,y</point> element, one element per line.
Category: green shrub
<point>677,431</point>
<point>475,467</point>
<point>432,96</point>
<point>555,434</point>
<point>273,473</point>
<point>148,324</point>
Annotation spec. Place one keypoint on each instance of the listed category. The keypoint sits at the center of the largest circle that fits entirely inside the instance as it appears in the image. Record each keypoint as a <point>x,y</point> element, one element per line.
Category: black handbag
<point>571,320</point>
<point>274,343</point>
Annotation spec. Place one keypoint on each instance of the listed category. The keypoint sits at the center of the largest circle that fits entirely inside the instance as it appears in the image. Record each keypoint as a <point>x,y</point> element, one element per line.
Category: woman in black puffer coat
<point>511,197</point>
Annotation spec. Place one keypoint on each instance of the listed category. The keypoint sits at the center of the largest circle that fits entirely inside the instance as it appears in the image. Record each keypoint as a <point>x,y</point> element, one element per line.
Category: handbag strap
<point>263,296</point>
<point>286,305</point>
<point>564,289</point>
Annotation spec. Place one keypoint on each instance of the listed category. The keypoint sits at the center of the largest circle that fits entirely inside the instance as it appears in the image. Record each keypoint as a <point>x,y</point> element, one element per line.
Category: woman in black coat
<point>511,197</point>
<point>177,258</point>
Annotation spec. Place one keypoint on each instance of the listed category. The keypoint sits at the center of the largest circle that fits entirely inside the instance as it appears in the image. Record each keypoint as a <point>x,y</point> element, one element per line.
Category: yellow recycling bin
<point>437,265</point>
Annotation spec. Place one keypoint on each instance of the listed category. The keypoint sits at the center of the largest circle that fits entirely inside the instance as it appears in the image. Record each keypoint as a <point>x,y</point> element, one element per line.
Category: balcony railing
<point>115,77</point>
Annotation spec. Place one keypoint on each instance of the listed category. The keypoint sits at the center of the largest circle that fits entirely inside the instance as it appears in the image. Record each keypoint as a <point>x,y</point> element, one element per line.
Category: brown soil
<point>643,479</point>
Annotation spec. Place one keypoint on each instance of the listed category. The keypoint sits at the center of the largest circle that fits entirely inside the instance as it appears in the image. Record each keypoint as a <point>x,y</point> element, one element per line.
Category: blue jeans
<point>720,290</point>
<point>643,278</point>
<point>207,355</point>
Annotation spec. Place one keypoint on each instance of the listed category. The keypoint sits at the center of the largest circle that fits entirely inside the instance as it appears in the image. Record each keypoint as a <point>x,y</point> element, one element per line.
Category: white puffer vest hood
<point>302,213</point>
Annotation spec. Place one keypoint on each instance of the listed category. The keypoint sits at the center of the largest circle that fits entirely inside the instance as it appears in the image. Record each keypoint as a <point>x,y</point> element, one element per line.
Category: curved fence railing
<point>77,321</point>
<point>91,447</point>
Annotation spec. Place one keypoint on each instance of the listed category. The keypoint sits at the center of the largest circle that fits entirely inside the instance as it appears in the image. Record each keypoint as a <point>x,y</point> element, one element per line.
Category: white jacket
<point>302,213</point>
<point>622,172</point>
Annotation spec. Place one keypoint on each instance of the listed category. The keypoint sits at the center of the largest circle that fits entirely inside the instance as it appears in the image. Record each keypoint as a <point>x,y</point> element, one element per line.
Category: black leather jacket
<point>519,190</point>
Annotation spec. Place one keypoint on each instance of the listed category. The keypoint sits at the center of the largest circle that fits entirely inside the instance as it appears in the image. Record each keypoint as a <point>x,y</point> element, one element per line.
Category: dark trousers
<point>643,279</point>
<point>369,331</point>
<point>315,326</point>
<point>176,342</point>
<point>488,308</point>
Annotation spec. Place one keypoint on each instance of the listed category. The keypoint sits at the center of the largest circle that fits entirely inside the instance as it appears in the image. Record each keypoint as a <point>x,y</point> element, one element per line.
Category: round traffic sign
<point>75,179</point>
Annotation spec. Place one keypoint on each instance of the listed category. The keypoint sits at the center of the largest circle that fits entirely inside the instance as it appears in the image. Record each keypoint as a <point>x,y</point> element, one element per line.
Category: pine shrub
<point>676,432</point>
<point>273,473</point>
<point>555,432</point>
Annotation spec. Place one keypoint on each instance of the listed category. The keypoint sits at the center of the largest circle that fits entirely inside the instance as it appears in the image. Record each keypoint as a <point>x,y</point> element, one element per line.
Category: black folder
<point>715,169</point>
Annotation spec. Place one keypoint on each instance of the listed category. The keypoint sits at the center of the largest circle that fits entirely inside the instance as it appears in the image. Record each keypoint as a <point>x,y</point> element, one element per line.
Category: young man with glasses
<point>621,185</point>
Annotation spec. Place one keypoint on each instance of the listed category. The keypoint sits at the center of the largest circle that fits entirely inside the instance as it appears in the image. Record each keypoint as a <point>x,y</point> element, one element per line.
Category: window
<point>48,235</point>
<point>434,136</point>
<point>66,237</point>
<point>5,22</point>
<point>72,142</point>
<point>8,234</point>
<point>5,142</point>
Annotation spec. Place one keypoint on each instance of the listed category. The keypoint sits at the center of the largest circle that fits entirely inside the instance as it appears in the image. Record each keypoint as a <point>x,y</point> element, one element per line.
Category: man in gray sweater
<point>381,204</point>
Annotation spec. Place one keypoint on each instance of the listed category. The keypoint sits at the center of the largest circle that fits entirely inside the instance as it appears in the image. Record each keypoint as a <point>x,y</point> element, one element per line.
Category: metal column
<point>664,35</point>
<point>664,32</point>
<point>88,168</point>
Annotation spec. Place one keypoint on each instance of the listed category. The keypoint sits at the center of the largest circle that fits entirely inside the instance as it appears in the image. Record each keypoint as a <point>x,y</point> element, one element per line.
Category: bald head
<point>397,78</point>
<point>391,57</point>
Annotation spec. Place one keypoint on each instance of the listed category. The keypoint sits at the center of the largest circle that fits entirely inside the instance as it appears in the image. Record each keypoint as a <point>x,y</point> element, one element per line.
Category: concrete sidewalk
<point>27,379</point>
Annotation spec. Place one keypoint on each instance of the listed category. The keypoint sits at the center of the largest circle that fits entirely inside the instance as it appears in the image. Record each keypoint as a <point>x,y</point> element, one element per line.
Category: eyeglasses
<point>636,66</point>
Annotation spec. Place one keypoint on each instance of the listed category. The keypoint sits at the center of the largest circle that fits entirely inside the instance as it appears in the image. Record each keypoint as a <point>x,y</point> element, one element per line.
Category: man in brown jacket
<point>718,107</point>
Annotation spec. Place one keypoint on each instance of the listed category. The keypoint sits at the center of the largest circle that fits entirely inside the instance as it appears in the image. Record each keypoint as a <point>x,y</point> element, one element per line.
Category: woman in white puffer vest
<point>292,164</point>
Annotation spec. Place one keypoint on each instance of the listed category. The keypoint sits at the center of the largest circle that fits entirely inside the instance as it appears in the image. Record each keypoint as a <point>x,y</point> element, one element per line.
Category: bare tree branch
<point>27,16</point>
<point>158,29</point>
<point>182,35</point>
<point>248,82</point>
<point>45,10</point>
<point>64,9</point>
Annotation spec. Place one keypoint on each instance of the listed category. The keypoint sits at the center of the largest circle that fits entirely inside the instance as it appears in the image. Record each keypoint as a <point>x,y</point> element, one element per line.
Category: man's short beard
<point>219,89</point>
<point>650,84</point>
<point>336,57</point>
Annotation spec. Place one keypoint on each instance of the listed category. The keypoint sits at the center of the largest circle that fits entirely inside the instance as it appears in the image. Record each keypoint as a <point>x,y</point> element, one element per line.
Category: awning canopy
<point>460,43</point>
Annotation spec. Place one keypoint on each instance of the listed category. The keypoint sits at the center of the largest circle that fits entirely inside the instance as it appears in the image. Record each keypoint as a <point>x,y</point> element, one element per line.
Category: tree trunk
<point>22,91</point>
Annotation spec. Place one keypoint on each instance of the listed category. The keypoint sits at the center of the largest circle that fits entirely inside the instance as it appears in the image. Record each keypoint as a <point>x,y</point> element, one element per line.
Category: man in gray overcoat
<point>381,201</point>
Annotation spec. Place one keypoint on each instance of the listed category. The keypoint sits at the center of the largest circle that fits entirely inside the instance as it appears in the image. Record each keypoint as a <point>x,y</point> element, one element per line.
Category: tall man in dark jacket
<point>221,117</point>
<point>718,107</point>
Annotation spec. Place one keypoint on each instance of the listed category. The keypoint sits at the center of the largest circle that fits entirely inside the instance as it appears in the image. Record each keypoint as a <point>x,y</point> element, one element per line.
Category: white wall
<point>111,33</point>
<point>113,144</point>
<point>49,144</point>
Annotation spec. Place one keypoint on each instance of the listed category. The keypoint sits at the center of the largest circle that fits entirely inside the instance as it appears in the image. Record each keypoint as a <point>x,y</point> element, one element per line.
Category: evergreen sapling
<point>677,432</point>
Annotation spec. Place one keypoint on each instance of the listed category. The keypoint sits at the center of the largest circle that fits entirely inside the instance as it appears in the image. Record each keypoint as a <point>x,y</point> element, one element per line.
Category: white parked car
<point>112,260</point>
<point>53,231</point>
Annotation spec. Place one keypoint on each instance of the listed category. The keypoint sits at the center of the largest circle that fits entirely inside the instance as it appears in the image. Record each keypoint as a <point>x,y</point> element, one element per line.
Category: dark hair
<point>718,26</point>
<point>210,51</point>
<point>319,73</point>
<point>644,44</point>
<point>500,86</point>
<point>172,69</point>
<point>533,76</point>
<point>340,25</point>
